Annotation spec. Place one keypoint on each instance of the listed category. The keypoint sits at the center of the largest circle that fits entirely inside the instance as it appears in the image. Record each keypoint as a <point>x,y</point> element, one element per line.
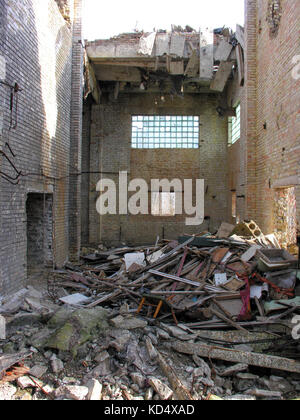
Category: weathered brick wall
<point>76,134</point>
<point>237,153</point>
<point>85,178</point>
<point>273,134</point>
<point>111,152</point>
<point>36,46</point>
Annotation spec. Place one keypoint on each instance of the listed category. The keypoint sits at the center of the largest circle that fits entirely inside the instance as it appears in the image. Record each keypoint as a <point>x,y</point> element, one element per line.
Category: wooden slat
<point>175,278</point>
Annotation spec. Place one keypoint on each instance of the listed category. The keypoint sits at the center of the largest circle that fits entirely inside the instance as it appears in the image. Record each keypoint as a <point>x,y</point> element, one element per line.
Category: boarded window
<point>234,126</point>
<point>165,132</point>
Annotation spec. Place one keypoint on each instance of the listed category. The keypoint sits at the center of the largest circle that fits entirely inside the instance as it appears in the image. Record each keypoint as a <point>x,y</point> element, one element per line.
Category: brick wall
<point>273,97</point>
<point>237,158</point>
<point>85,178</point>
<point>76,134</point>
<point>36,47</point>
<point>111,152</point>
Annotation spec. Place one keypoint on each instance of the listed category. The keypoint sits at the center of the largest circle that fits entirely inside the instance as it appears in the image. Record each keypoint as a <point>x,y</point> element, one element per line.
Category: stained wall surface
<point>36,53</point>
<point>111,153</point>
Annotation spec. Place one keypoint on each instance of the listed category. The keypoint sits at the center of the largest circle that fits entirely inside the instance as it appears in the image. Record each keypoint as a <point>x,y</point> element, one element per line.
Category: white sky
<point>104,19</point>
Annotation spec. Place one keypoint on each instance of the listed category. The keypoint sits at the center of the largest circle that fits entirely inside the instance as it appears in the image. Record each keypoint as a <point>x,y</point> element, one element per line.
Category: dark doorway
<point>39,210</point>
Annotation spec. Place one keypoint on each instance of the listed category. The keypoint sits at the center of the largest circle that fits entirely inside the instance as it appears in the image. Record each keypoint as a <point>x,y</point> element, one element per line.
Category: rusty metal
<point>14,90</point>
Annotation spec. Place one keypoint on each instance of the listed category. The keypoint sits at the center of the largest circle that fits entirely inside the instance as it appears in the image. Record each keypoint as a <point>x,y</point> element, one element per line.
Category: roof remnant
<point>199,61</point>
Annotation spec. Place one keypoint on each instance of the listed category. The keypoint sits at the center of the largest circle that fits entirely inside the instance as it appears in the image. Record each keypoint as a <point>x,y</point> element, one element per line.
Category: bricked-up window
<point>165,132</point>
<point>163,204</point>
<point>234,126</point>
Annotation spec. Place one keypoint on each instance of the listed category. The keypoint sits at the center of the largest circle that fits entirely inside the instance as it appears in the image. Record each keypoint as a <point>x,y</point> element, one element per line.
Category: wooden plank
<point>117,74</point>
<point>9,360</point>
<point>220,80</point>
<point>223,51</point>
<point>241,65</point>
<point>104,299</point>
<point>177,44</point>
<point>240,35</point>
<point>175,278</point>
<point>229,321</point>
<point>206,54</point>
<point>237,356</point>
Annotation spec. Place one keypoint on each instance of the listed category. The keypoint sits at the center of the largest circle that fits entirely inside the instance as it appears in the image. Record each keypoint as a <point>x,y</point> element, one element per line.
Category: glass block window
<point>165,132</point>
<point>234,126</point>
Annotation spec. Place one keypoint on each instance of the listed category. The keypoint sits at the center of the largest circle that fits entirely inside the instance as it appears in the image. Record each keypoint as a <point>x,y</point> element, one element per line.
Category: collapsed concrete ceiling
<point>175,62</point>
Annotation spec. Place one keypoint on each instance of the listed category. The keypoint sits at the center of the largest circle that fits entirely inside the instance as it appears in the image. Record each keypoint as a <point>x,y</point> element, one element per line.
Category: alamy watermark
<point>296,329</point>
<point>176,198</point>
<point>296,68</point>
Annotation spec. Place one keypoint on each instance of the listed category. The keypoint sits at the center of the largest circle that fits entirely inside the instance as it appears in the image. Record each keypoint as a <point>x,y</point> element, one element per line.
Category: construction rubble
<point>202,318</point>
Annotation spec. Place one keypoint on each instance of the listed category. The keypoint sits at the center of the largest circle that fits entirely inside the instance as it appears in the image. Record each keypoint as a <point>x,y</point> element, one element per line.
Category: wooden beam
<point>117,74</point>
<point>220,80</point>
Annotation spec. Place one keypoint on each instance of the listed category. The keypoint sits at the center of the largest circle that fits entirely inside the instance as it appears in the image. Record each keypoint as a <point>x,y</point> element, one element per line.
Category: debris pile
<point>204,317</point>
<point>216,282</point>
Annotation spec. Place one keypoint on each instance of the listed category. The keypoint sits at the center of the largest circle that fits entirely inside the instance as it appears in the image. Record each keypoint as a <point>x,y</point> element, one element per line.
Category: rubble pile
<point>204,317</point>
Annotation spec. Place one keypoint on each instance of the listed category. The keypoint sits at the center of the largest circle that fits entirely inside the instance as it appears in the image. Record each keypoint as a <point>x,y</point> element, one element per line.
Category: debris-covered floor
<point>204,317</point>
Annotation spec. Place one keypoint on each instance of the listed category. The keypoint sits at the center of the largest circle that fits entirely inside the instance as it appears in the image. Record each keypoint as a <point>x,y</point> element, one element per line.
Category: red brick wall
<point>237,153</point>
<point>111,152</point>
<point>273,98</point>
